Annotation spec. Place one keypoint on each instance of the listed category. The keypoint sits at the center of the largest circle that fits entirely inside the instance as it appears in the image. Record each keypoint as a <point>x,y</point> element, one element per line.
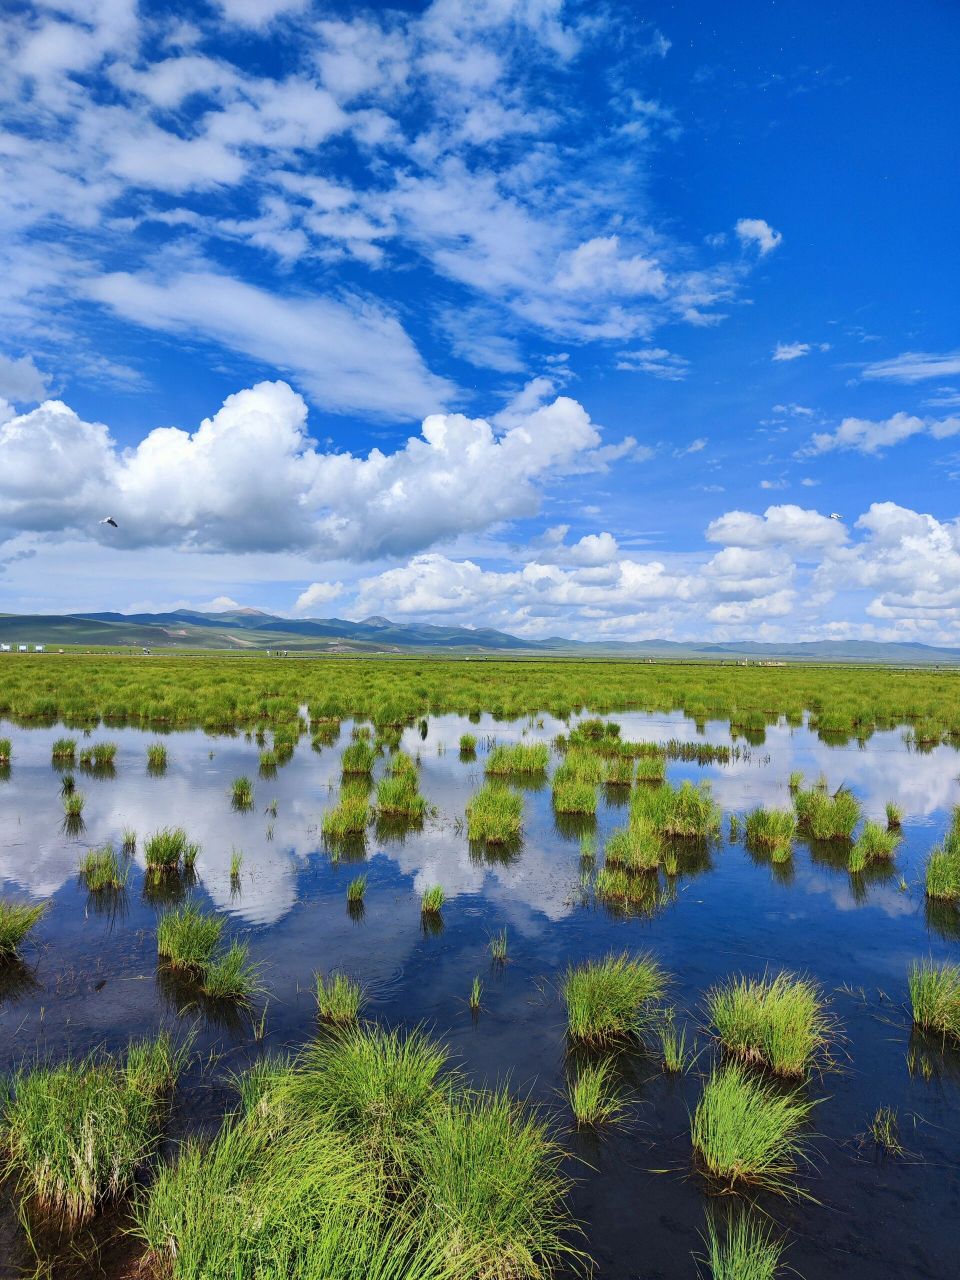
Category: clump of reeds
<point>796,779</point>
<point>594,1096</point>
<point>746,1132</point>
<point>651,768</point>
<point>935,997</point>
<point>749,1248</point>
<point>398,796</point>
<point>476,992</point>
<point>520,758</point>
<point>6,751</point>
<point>943,866</point>
<point>874,844</point>
<point>128,840</point>
<point>236,863</point>
<point>64,751</point>
<point>637,847</point>
<point>431,903</point>
<point>102,755</point>
<point>16,921</point>
<point>356,889</point>
<point>777,1022</point>
<point>73,802</point>
<point>358,758</point>
<point>349,816</point>
<point>571,796</point>
<point>674,1053</point>
<point>606,999</point>
<point>187,939</point>
<point>495,815</point>
<point>827,817</point>
<point>771,831</point>
<point>885,1131</point>
<point>685,812</point>
<point>76,1135</point>
<point>101,870</point>
<point>498,946</point>
<point>157,757</point>
<point>894,816</point>
<point>339,998</point>
<point>618,771</point>
<point>241,793</point>
<point>169,850</point>
<point>468,746</point>
<point>231,976</point>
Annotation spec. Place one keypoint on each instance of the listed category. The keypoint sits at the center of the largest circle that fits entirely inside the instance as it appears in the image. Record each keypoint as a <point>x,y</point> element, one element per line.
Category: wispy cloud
<point>914,366</point>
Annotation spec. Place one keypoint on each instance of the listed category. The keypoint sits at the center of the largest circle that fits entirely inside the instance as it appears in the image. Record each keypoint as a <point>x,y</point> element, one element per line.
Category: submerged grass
<point>779,1022</point>
<point>606,999</point>
<point>747,1133</point>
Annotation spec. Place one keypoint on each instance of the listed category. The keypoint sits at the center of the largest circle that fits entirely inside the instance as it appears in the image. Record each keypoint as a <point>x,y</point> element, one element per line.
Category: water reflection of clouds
<point>38,857</point>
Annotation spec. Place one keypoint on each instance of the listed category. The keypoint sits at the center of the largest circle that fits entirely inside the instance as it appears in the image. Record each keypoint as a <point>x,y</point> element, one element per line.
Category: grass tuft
<point>101,869</point>
<point>594,1097</point>
<point>607,998</point>
<point>778,1022</point>
<point>339,998</point>
<point>16,921</point>
<point>935,997</point>
<point>495,815</point>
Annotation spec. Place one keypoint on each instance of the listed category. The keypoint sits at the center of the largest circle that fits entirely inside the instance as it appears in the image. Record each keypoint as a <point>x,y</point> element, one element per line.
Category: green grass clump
<point>102,755</point>
<point>76,1135</point>
<point>673,1044</point>
<point>606,999</point>
<point>241,793</point>
<point>772,831</point>
<point>628,890</point>
<point>684,812</point>
<point>618,771</point>
<point>403,766</point>
<point>231,976</point>
<point>187,938</point>
<point>156,757</point>
<point>349,816</point>
<point>490,1178</point>
<point>101,869</point>
<point>495,815</point>
<point>16,921</point>
<point>6,751</point>
<point>894,816</point>
<point>570,796</point>
<point>432,901</point>
<point>825,817</point>
<point>169,850</point>
<point>748,1250</point>
<point>745,1132</point>
<point>73,802</point>
<point>885,1131</point>
<point>398,796</point>
<point>128,840</point>
<point>778,1022</point>
<point>796,780</point>
<point>594,1097</point>
<point>581,766</point>
<point>356,889</point>
<point>358,758</point>
<point>636,847</point>
<point>519,758</point>
<point>339,998</point>
<point>935,997</point>
<point>874,844</point>
<point>64,751</point>
<point>498,946</point>
<point>943,866</point>
<point>651,768</point>
<point>468,745</point>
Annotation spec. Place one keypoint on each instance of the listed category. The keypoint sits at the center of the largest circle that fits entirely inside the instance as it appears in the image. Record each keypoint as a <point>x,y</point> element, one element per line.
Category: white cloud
<point>657,361</point>
<point>258,13</point>
<point>914,366</point>
<point>867,436</point>
<point>797,528</point>
<point>758,233</point>
<point>250,479</point>
<point>317,594</point>
<point>350,354</point>
<point>790,350</point>
<point>21,380</point>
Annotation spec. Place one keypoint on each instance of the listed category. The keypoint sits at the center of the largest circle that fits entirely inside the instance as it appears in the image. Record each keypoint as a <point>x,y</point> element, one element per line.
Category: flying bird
<point>110,521</point>
<point>834,515</point>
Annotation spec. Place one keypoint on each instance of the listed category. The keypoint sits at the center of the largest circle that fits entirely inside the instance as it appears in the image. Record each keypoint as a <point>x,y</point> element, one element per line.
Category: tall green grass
<point>101,869</point>
<point>77,1134</point>
<point>339,998</point>
<point>827,818</point>
<point>778,1022</point>
<point>495,815</point>
<point>64,751</point>
<point>350,815</point>
<point>686,811</point>
<point>748,1248</point>
<point>169,849</point>
<point>358,758</point>
<point>187,938</point>
<point>606,999</point>
<point>519,758</point>
<point>156,757</point>
<point>637,847</point>
<point>935,997</point>
<point>398,796</point>
<point>874,844</point>
<point>772,831</point>
<point>17,919</point>
<point>746,1132</point>
<point>594,1096</point>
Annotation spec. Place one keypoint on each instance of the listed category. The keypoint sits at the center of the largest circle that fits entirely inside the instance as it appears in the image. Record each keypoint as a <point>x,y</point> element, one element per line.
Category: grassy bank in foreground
<point>217,693</point>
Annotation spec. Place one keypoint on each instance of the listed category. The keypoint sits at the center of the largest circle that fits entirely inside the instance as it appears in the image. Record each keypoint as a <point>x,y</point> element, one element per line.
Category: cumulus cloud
<point>798,528</point>
<point>258,13</point>
<point>757,233</point>
<point>869,436</point>
<point>317,594</point>
<point>249,478</point>
<point>790,351</point>
<point>21,380</point>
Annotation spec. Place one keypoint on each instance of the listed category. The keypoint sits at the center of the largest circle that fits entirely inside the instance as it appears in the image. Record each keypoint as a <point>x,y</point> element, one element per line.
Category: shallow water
<point>90,973</point>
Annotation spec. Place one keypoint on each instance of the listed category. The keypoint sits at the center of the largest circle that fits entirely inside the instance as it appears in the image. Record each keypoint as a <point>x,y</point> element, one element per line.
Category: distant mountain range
<point>251,629</point>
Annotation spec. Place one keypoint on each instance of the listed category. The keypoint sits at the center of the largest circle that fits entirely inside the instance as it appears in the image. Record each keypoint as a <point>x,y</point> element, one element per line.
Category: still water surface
<point>90,974</point>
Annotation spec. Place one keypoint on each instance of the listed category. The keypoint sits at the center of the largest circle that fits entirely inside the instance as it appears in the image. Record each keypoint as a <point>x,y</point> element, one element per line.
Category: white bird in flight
<point>110,521</point>
<point>835,515</point>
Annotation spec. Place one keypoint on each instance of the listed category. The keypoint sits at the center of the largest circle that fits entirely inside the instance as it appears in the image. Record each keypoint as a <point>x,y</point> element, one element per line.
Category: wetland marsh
<point>641,952</point>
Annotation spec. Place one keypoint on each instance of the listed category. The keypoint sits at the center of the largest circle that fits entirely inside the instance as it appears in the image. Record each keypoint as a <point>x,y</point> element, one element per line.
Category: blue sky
<point>565,318</point>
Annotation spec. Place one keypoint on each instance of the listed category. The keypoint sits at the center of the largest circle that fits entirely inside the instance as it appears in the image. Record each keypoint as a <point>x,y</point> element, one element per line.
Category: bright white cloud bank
<point>249,486</point>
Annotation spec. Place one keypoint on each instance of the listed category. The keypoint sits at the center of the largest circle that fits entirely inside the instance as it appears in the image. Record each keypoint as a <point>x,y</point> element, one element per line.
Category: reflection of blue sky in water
<point>37,857</point>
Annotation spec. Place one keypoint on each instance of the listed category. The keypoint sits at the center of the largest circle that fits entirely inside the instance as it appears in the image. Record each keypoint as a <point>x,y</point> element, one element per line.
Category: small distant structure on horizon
<point>21,648</point>
<point>4,648</point>
<point>39,648</point>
